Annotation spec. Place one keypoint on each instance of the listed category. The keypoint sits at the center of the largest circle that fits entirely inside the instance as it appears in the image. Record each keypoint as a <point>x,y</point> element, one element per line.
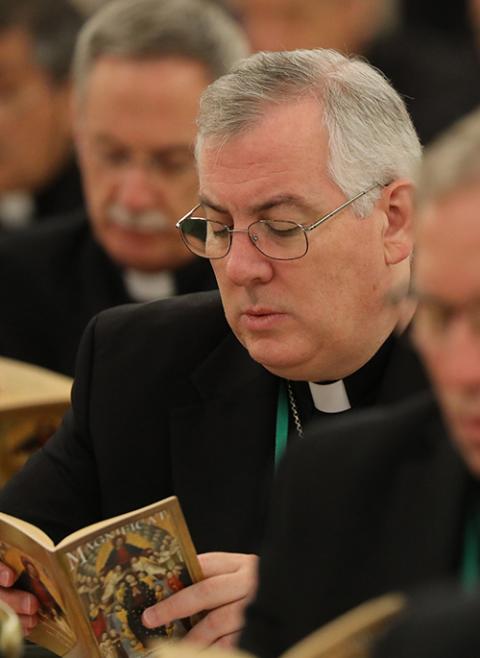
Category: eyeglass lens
<point>282,240</point>
<point>434,318</point>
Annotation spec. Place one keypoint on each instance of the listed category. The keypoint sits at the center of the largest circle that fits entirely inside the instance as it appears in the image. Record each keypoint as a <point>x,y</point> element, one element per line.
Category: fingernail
<point>149,618</point>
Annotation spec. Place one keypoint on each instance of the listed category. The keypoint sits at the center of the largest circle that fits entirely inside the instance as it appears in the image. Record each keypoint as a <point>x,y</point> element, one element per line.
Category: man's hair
<point>371,136</point>
<point>53,26</point>
<point>452,160</point>
<point>147,29</point>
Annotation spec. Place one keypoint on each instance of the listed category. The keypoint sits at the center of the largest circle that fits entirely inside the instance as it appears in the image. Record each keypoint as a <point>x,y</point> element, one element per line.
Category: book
<point>94,585</point>
<point>352,635</point>
<point>32,403</point>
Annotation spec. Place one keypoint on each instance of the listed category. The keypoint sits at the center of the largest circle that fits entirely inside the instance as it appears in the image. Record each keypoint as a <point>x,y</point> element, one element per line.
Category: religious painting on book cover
<point>124,571</point>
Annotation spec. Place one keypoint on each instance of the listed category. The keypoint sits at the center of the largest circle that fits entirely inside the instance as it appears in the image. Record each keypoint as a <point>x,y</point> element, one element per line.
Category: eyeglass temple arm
<point>340,208</point>
<point>187,215</point>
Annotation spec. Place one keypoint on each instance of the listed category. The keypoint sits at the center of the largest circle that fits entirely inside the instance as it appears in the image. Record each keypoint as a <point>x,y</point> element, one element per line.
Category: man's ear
<point>397,204</point>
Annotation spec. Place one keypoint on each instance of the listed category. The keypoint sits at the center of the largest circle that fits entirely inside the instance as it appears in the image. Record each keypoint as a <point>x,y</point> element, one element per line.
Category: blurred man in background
<point>38,174</point>
<point>398,507</point>
<point>139,71</point>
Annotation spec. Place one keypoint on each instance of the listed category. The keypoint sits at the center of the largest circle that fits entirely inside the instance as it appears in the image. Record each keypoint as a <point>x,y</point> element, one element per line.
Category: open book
<point>352,635</point>
<point>94,585</point>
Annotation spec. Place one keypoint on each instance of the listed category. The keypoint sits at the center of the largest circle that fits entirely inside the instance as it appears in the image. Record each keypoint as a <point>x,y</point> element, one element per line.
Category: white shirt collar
<point>330,398</point>
<point>147,286</point>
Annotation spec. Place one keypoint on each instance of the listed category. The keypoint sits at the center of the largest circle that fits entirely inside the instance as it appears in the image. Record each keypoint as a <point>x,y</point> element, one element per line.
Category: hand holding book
<point>229,583</point>
<point>24,604</point>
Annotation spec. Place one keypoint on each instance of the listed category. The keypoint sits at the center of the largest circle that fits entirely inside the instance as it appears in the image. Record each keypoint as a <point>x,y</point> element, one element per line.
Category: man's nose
<point>244,263</point>
<point>136,189</point>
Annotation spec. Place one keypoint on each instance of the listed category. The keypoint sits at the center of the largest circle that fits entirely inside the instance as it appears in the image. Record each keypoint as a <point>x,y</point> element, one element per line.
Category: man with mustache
<point>397,507</point>
<point>306,161</point>
<point>136,97</point>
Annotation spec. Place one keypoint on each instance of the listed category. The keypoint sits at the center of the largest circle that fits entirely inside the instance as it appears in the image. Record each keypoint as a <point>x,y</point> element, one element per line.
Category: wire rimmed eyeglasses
<point>276,239</point>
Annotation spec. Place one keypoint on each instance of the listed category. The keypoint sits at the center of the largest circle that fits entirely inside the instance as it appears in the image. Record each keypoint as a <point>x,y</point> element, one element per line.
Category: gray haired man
<point>306,162</point>
<point>139,70</point>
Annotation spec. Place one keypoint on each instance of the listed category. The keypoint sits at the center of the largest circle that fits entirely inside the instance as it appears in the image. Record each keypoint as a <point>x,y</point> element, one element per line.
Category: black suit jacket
<point>166,401</point>
<point>53,279</point>
<point>375,504</point>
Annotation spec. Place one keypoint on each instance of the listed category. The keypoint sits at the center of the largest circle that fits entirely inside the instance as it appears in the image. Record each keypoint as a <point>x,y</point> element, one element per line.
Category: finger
<point>221,622</point>
<point>20,602</point>
<point>7,576</point>
<point>213,564</point>
<point>207,594</point>
<point>28,623</point>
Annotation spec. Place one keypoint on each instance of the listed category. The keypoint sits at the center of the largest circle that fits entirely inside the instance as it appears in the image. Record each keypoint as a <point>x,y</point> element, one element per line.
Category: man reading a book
<point>306,161</point>
<point>398,507</point>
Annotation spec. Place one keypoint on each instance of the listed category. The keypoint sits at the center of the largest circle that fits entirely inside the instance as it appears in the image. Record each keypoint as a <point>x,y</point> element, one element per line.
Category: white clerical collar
<point>330,398</point>
<point>147,286</point>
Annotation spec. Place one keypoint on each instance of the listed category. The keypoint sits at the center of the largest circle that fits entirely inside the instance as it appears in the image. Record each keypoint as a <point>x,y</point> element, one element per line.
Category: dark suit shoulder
<point>194,315</point>
<point>364,443</point>
<point>175,334</point>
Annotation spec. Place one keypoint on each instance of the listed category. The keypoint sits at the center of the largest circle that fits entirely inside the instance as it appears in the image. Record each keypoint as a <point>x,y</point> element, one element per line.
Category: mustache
<point>146,221</point>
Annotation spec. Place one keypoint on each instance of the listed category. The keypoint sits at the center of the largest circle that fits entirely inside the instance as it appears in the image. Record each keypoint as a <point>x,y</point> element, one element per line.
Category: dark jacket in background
<point>373,505</point>
<point>53,279</point>
<point>437,77</point>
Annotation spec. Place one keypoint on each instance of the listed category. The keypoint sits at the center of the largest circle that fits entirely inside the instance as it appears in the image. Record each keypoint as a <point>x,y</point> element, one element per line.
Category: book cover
<point>95,584</point>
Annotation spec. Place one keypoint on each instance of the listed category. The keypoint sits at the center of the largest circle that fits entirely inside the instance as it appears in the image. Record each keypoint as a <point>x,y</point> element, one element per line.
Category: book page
<point>26,528</point>
<point>34,566</point>
<point>139,560</point>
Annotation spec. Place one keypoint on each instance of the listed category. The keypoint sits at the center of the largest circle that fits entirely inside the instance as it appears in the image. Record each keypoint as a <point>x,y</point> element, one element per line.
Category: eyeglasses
<point>433,317</point>
<point>279,240</point>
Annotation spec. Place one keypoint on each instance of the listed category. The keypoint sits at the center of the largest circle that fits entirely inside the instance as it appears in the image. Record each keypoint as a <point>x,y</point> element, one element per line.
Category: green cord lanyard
<point>281,427</point>
<point>471,554</point>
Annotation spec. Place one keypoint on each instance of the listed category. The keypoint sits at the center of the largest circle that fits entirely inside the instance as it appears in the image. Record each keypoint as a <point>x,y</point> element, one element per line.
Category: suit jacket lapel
<point>226,437</point>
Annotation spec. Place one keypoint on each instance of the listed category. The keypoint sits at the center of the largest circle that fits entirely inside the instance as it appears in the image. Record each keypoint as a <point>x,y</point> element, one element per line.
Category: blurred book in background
<point>32,403</point>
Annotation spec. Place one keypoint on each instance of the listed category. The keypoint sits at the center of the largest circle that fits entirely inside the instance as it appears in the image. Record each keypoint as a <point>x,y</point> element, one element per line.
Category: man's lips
<point>261,317</point>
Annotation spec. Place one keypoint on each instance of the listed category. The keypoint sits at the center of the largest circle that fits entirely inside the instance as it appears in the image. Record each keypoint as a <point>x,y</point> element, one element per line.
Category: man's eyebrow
<point>106,140</point>
<point>282,200</point>
<point>274,202</point>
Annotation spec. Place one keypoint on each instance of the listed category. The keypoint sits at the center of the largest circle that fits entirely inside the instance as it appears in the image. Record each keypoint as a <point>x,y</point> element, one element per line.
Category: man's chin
<point>280,365</point>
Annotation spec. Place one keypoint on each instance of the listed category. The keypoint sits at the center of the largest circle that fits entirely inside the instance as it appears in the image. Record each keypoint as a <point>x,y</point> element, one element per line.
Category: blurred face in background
<point>35,124</point>
<point>346,25</point>
<point>135,129</point>
<point>447,324</point>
